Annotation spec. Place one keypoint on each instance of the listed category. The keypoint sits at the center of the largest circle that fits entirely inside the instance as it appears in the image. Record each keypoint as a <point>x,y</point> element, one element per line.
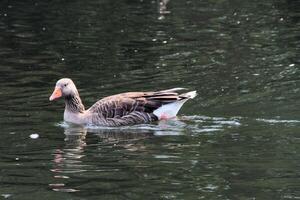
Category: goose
<point>123,109</point>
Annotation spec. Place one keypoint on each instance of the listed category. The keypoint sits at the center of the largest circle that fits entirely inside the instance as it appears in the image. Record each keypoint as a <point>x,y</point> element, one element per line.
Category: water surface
<point>239,139</point>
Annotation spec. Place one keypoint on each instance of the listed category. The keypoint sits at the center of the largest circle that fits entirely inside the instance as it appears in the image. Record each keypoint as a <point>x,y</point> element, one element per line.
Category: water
<point>239,139</point>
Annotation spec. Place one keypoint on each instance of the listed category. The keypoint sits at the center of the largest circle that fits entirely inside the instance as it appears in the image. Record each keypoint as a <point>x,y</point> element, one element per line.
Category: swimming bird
<point>128,108</point>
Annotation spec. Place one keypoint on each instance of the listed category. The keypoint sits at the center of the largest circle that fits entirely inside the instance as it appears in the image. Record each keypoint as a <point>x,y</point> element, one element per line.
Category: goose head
<point>63,88</point>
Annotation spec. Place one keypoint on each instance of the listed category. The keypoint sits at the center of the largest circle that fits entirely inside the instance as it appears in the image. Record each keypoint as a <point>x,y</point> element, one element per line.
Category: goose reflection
<point>85,144</point>
<point>120,136</point>
<point>70,160</point>
<point>73,151</point>
<point>162,8</point>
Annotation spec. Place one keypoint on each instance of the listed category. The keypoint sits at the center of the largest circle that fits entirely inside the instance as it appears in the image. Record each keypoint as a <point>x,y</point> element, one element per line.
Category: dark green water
<point>239,139</point>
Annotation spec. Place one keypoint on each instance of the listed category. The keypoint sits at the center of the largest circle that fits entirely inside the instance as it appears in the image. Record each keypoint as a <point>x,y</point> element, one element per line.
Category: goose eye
<point>65,85</point>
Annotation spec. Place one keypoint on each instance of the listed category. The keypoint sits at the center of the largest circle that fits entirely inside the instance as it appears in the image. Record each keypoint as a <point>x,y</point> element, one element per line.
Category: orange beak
<point>56,94</point>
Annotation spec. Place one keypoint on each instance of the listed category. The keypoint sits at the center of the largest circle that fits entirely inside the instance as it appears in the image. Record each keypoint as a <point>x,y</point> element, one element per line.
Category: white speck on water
<point>64,190</point>
<point>238,22</point>
<point>273,121</point>
<point>154,39</point>
<point>291,65</point>
<point>56,184</point>
<point>234,14</point>
<point>281,19</point>
<point>34,136</point>
<point>164,156</point>
<point>63,177</point>
<point>5,15</point>
<point>135,50</point>
<point>62,59</point>
<point>256,74</point>
<point>291,197</point>
<point>211,187</point>
<point>161,17</point>
<point>44,28</point>
<point>165,42</point>
<point>6,195</point>
<point>17,158</point>
<point>230,122</point>
<point>12,133</point>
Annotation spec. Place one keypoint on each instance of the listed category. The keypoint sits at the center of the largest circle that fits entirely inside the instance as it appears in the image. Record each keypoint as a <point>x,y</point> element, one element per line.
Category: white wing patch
<point>170,110</point>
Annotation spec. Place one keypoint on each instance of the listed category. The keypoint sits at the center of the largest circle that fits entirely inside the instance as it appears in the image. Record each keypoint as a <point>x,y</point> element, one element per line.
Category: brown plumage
<point>121,109</point>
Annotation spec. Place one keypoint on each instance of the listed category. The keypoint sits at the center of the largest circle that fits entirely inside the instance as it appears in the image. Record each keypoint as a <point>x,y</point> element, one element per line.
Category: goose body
<point>121,109</point>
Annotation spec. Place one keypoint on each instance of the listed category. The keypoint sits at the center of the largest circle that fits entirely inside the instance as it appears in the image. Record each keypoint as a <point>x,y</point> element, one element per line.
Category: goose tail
<point>170,110</point>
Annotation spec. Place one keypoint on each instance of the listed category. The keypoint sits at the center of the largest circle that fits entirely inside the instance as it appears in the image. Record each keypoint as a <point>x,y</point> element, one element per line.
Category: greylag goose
<point>121,109</point>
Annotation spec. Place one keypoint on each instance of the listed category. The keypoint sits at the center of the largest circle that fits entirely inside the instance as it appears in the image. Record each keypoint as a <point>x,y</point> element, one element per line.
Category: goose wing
<point>132,107</point>
<point>122,104</point>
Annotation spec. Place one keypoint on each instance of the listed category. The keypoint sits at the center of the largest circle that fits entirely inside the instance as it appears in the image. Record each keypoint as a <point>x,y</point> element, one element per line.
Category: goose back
<point>131,107</point>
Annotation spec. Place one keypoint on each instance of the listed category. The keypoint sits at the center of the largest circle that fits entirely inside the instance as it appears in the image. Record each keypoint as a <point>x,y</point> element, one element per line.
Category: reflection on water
<point>68,160</point>
<point>237,140</point>
<point>218,160</point>
<point>176,126</point>
<point>162,8</point>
